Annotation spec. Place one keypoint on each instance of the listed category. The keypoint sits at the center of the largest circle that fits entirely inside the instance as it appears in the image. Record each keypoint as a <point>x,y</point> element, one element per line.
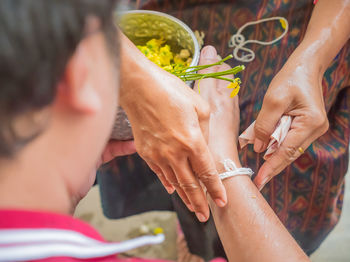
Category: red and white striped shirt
<point>42,236</point>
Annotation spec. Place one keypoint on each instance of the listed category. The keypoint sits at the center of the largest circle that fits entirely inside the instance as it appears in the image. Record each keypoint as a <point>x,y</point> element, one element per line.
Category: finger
<point>171,177</point>
<point>270,114</point>
<point>284,156</point>
<point>169,188</point>
<point>203,113</point>
<point>208,56</point>
<point>204,167</point>
<point>116,148</point>
<point>193,190</point>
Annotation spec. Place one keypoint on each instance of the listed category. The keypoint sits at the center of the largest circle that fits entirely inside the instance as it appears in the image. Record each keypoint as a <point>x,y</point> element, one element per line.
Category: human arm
<point>247,226</point>
<point>170,125</point>
<point>297,89</point>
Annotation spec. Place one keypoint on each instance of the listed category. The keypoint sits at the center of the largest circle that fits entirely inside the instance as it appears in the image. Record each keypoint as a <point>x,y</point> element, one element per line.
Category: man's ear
<point>76,89</point>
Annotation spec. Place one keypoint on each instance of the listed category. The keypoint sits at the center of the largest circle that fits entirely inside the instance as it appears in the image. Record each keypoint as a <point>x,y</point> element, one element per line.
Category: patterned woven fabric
<point>308,195</point>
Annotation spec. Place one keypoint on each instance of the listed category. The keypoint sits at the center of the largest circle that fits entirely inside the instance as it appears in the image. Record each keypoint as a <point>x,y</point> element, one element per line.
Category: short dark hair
<point>37,38</point>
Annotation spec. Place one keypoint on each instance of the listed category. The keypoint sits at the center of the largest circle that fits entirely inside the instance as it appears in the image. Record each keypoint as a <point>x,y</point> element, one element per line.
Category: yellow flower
<point>165,55</point>
<point>154,44</point>
<point>158,231</point>
<point>235,86</point>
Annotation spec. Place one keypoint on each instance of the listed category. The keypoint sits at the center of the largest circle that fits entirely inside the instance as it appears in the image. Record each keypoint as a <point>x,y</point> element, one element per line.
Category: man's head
<point>37,40</point>
<point>59,82</point>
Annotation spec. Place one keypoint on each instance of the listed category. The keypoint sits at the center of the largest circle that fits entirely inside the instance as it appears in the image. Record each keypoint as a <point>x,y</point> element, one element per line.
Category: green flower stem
<point>232,71</point>
<point>190,73</point>
<point>200,67</point>
<point>226,79</point>
<point>193,76</point>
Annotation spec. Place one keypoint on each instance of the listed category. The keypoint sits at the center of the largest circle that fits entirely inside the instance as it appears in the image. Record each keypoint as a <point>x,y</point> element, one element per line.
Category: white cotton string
<point>238,41</point>
<point>232,170</point>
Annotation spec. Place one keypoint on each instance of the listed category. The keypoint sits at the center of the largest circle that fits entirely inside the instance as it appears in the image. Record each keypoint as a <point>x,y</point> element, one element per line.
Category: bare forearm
<point>249,229</point>
<point>327,33</point>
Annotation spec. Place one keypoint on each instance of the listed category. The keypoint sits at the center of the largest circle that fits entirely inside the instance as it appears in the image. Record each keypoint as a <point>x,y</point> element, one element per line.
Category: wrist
<point>311,63</point>
<point>135,72</point>
<point>317,59</point>
<point>219,158</point>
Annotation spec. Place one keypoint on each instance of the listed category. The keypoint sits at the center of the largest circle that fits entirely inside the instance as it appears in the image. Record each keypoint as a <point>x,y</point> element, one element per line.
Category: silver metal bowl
<point>140,26</point>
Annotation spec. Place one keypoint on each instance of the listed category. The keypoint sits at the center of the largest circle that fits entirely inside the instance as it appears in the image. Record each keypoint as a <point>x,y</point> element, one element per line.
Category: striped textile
<point>50,237</point>
<point>308,195</point>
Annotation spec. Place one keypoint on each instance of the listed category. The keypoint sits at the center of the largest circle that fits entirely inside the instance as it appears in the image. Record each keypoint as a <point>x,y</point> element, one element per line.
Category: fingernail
<point>219,202</point>
<point>209,52</point>
<point>170,190</point>
<point>258,145</point>
<point>201,217</point>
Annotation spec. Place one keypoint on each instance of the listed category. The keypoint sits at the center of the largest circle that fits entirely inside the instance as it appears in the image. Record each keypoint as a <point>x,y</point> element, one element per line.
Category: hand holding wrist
<point>170,126</point>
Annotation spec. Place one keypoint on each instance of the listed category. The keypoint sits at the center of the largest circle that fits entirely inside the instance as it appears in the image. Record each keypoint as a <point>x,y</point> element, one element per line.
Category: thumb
<point>296,141</point>
<point>270,114</point>
<point>208,56</point>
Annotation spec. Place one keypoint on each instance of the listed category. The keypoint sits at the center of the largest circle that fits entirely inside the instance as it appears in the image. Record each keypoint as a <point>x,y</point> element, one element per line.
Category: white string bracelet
<point>238,41</point>
<point>232,170</point>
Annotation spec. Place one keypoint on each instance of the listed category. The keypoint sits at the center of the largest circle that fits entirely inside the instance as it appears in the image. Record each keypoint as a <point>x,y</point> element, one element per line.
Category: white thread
<point>238,42</point>
<point>232,170</point>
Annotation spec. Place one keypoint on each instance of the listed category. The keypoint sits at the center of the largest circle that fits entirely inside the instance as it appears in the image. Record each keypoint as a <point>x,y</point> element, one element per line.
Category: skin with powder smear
<point>247,220</point>
<point>297,89</point>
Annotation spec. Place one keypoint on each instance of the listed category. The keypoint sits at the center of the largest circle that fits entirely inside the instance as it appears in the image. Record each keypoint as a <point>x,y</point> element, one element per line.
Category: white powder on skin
<point>301,73</point>
<point>326,33</point>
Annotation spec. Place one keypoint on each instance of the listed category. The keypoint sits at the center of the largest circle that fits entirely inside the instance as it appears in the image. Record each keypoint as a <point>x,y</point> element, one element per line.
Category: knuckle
<point>319,121</point>
<point>167,153</point>
<point>273,101</point>
<point>190,188</point>
<point>261,129</point>
<point>197,206</point>
<point>204,112</point>
<point>207,176</point>
<point>325,126</point>
<point>194,144</point>
<point>184,142</point>
<point>290,153</point>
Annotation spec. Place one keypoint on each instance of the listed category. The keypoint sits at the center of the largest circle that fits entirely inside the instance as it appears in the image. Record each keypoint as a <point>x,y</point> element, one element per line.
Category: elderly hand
<point>296,91</point>
<point>170,128</point>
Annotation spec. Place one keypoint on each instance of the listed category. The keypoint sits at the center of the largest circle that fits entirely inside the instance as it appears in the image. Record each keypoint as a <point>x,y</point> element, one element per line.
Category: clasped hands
<point>171,126</point>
